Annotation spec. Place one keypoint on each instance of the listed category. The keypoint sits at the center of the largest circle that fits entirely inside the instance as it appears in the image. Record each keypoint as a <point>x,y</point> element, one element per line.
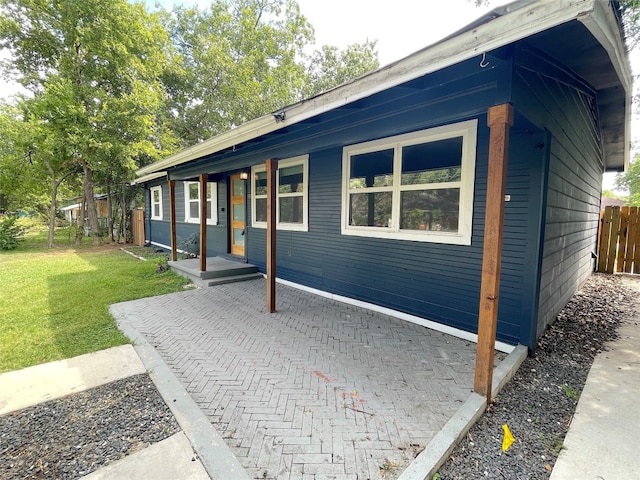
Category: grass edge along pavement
<point>54,303</point>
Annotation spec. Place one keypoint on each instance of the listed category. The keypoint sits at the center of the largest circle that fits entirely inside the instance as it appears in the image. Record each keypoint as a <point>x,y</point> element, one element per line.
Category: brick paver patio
<point>318,390</point>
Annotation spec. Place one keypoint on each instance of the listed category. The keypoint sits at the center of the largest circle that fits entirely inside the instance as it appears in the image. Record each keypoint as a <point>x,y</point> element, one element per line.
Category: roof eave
<point>602,24</point>
<point>516,25</point>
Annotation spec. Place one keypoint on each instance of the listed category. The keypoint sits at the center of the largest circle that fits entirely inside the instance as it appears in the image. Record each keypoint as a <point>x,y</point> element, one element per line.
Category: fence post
<point>605,229</point>
<point>622,238</point>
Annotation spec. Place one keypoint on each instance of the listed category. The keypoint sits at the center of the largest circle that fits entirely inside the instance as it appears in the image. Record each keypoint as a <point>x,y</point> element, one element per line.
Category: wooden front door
<point>237,214</point>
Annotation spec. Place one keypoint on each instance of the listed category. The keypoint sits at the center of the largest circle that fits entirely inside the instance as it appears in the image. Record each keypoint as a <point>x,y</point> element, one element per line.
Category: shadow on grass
<point>79,300</point>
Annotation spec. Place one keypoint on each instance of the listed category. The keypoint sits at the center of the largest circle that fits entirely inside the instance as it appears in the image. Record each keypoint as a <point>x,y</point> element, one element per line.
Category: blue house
<point>381,183</point>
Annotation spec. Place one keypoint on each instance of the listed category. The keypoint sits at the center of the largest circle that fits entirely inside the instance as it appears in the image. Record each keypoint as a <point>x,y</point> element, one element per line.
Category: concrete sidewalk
<point>168,459</point>
<point>603,441</point>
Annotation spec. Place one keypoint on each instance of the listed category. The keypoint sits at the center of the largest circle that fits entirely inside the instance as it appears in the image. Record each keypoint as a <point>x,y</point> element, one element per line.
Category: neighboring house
<point>382,181</point>
<point>72,212</point>
<point>612,202</point>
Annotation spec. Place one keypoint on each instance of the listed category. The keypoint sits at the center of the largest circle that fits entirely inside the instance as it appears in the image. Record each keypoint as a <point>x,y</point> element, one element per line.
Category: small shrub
<point>10,232</point>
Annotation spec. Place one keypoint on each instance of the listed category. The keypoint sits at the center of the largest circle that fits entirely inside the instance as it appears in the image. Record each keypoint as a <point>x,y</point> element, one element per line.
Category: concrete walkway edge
<point>145,463</point>
<point>603,439</point>
<point>438,450</point>
<point>216,457</point>
<point>49,381</point>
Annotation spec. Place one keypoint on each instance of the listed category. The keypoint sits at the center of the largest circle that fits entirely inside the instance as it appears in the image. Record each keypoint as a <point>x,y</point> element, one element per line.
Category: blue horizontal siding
<point>553,100</point>
<point>437,281</point>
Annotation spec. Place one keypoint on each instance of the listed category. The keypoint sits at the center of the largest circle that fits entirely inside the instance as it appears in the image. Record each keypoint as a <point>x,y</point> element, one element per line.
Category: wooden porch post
<point>203,221</point>
<point>172,219</point>
<point>272,169</point>
<point>500,118</point>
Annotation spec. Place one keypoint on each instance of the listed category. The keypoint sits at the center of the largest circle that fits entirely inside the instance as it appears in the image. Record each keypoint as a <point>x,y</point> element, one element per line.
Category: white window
<point>156,203</point>
<point>192,202</point>
<point>417,186</point>
<point>292,185</point>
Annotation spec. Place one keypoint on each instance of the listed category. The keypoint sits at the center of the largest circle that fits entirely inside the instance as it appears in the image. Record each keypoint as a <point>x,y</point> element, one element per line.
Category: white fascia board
<point>70,207</point>
<point>149,177</point>
<point>514,26</point>
<point>247,131</point>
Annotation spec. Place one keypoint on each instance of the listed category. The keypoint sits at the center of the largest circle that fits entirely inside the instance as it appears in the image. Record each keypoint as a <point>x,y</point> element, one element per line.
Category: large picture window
<point>156,203</point>
<point>291,194</point>
<point>417,186</point>
<point>192,202</point>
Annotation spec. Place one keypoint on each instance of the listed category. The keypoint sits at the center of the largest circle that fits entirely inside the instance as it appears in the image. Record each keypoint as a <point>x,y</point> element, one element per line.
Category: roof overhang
<point>506,25</point>
<point>150,176</point>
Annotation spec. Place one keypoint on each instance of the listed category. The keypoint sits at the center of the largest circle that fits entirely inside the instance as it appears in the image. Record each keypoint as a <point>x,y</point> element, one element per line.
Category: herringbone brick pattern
<point>319,389</point>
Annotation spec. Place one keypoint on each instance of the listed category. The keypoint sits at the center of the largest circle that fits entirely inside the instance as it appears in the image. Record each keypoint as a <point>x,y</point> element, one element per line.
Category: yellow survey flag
<point>508,439</point>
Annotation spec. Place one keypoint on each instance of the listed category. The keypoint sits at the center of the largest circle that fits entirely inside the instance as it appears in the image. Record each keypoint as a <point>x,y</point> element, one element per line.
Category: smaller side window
<point>156,203</point>
<point>292,194</point>
<point>192,202</point>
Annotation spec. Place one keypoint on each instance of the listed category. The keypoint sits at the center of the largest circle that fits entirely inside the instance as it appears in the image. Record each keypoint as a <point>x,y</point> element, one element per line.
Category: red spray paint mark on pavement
<point>321,375</point>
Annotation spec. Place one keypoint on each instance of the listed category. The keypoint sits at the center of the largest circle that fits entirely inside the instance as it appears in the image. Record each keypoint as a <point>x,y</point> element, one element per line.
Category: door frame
<point>237,250</point>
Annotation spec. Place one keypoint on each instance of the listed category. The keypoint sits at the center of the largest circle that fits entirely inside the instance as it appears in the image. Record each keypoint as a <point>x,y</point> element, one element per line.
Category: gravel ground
<point>75,435</point>
<point>538,404</point>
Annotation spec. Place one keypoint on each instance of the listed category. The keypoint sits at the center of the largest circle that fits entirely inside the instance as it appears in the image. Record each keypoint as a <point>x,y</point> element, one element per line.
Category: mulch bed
<point>539,402</point>
<point>75,435</point>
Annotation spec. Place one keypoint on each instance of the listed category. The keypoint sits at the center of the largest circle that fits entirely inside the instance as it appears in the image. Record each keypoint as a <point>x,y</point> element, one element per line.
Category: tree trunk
<point>81,216</point>
<point>92,211</point>
<point>52,210</point>
<point>110,213</point>
<point>124,216</point>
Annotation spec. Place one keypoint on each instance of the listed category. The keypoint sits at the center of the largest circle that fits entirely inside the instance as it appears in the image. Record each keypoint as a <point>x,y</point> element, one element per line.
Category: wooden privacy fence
<point>619,240</point>
<point>137,226</point>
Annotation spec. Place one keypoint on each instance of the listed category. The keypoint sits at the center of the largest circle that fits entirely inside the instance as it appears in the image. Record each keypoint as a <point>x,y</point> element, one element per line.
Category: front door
<point>237,214</point>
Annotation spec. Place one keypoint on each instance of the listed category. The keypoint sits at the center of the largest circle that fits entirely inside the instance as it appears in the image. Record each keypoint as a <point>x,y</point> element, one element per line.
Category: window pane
<point>291,209</point>
<point>434,210</point>
<point>373,169</point>
<point>370,209</point>
<point>432,162</point>
<point>260,183</point>
<point>156,210</point>
<point>238,236</point>
<point>261,209</point>
<point>238,188</point>
<point>209,209</point>
<point>156,195</point>
<point>194,210</point>
<point>194,192</point>
<point>238,212</point>
<point>291,179</point>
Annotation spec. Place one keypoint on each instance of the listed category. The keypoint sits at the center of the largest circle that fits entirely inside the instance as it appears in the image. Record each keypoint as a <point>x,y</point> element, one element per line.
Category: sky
<point>400,27</point>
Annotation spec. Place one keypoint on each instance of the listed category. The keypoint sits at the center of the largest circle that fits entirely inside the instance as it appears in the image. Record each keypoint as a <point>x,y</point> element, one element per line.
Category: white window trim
<point>212,188</point>
<point>304,226</point>
<point>468,131</point>
<point>158,189</point>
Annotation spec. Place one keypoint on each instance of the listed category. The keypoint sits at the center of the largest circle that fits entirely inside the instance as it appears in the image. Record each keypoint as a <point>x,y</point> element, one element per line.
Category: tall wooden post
<point>500,118</point>
<point>172,219</point>
<point>272,169</point>
<point>203,221</point>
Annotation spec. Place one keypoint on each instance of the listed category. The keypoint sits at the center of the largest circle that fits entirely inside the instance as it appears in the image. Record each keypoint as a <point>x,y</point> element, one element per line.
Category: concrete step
<point>233,279</point>
<point>218,271</point>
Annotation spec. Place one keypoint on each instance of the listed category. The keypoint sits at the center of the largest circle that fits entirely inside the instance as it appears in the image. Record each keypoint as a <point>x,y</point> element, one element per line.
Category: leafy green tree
<point>330,66</point>
<point>241,59</point>
<point>235,61</point>
<point>93,69</point>
<point>629,182</point>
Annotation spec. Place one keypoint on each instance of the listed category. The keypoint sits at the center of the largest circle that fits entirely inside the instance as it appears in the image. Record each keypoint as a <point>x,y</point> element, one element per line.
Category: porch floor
<point>219,270</point>
<point>319,389</point>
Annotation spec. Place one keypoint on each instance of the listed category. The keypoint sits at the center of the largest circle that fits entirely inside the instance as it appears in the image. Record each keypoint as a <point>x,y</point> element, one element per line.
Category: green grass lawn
<point>54,302</point>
